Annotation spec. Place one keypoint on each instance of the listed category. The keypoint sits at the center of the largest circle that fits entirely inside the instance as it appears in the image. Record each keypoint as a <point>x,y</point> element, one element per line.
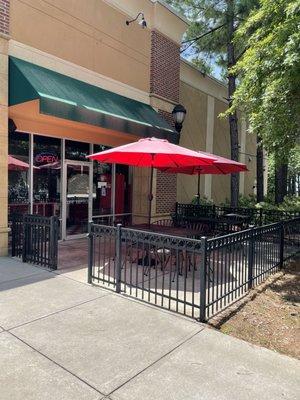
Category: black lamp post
<point>179,113</point>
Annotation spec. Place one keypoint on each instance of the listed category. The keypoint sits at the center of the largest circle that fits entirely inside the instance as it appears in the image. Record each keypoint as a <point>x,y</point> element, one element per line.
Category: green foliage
<point>291,203</point>
<point>205,16</point>
<point>247,201</point>
<point>293,171</point>
<point>244,201</point>
<point>203,201</point>
<point>269,88</point>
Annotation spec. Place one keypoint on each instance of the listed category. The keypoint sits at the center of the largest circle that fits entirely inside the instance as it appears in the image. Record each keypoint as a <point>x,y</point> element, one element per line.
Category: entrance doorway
<point>93,192</point>
<point>77,199</point>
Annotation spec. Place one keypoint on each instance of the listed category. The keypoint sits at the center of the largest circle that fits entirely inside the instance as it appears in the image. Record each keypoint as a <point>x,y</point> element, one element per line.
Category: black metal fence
<point>150,266</point>
<point>113,219</point>
<point>197,278</point>
<point>257,217</point>
<point>16,237</point>
<point>35,239</point>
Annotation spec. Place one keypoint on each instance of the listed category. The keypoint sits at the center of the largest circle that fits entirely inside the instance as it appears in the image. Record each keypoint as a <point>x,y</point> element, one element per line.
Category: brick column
<point>164,91</point>
<point>4,32</point>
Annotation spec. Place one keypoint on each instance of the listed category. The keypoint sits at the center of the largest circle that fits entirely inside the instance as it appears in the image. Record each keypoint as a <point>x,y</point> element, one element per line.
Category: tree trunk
<point>280,181</point>
<point>259,172</point>
<point>233,120</point>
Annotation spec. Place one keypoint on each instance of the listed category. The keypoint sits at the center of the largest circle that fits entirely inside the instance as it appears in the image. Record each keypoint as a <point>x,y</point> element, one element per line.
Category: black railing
<point>113,219</point>
<point>35,239</point>
<point>150,266</point>
<point>235,263</point>
<point>197,278</point>
<point>16,237</point>
<point>253,216</point>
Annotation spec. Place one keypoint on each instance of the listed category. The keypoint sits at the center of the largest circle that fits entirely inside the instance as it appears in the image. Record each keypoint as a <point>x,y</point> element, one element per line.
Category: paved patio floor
<point>156,286</point>
<point>62,339</point>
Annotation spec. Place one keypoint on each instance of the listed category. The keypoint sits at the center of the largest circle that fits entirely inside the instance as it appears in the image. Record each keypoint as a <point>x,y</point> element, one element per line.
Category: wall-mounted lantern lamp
<point>179,113</point>
<point>142,22</point>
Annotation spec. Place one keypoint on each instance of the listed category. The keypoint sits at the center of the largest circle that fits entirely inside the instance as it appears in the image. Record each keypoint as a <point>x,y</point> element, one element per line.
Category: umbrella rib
<point>222,172</point>
<point>140,159</point>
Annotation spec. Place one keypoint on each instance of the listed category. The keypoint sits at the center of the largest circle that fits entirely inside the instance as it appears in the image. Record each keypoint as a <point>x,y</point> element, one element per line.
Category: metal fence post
<point>90,253</point>
<point>260,217</point>
<point>13,235</point>
<point>118,257</point>
<point>53,242</point>
<point>281,250</point>
<point>251,259</point>
<point>203,274</point>
<point>24,241</point>
<point>176,214</point>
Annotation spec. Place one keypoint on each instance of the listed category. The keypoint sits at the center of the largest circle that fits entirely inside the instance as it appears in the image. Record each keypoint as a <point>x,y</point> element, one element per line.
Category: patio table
<point>164,254</point>
<point>169,230</point>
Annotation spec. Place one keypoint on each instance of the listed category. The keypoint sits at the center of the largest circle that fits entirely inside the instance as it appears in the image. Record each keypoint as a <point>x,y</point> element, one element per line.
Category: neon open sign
<point>46,158</point>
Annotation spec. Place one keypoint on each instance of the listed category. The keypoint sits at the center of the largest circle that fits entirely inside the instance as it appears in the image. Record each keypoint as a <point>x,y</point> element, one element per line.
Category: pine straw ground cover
<point>269,315</point>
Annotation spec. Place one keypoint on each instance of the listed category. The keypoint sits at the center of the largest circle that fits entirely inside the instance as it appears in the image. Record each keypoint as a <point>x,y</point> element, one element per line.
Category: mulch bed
<point>269,315</point>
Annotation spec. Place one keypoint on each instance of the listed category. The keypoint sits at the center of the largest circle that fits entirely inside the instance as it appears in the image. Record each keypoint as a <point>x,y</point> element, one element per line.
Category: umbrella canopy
<point>154,153</point>
<point>14,164</point>
<point>220,166</point>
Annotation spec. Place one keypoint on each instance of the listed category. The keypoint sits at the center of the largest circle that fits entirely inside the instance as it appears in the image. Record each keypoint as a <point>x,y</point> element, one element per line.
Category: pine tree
<point>210,41</point>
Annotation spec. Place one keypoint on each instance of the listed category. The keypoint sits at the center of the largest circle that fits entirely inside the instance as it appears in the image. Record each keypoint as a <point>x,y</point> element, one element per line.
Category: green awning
<point>64,97</point>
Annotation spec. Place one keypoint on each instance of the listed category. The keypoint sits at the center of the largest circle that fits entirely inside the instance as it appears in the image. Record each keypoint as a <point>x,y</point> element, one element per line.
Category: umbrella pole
<point>198,194</point>
<point>150,196</point>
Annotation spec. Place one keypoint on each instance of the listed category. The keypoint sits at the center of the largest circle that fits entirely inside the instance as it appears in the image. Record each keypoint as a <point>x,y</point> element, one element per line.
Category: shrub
<point>203,201</point>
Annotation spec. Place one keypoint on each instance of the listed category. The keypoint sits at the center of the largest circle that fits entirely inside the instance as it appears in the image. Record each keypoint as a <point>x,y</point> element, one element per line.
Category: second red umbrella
<point>221,166</point>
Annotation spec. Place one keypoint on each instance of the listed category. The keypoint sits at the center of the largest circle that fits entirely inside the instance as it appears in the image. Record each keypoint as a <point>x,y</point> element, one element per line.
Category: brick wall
<point>4,16</point>
<point>165,67</point>
<point>166,186</point>
<point>164,82</point>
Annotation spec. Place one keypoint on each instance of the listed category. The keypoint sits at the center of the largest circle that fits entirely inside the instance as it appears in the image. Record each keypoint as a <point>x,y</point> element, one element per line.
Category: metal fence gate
<point>34,238</point>
<point>197,278</point>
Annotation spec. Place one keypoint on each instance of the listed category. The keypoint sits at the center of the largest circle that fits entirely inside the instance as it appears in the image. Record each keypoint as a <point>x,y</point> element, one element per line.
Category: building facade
<point>76,79</point>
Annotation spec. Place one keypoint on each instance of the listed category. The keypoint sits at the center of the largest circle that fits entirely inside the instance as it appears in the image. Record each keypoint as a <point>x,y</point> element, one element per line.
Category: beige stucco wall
<point>91,34</point>
<point>193,136</point>
<point>221,147</point>
<point>204,99</point>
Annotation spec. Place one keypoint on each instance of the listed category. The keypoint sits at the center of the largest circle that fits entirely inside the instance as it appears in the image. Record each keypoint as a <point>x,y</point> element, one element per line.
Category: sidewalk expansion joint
<point>156,361</point>
<point>21,277</point>
<point>55,312</point>
<point>57,364</point>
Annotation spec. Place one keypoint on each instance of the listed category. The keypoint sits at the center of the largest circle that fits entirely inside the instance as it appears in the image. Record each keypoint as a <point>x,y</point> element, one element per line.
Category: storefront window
<point>102,178</point>
<point>102,187</point>
<point>77,150</point>
<point>123,189</point>
<point>46,175</point>
<point>18,173</point>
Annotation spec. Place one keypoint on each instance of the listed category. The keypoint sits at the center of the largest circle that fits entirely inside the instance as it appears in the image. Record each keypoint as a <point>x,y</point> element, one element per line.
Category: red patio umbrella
<point>221,166</point>
<point>14,164</point>
<point>154,153</point>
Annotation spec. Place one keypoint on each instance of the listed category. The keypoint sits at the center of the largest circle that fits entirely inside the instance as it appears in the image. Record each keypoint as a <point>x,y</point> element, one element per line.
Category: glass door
<point>78,198</point>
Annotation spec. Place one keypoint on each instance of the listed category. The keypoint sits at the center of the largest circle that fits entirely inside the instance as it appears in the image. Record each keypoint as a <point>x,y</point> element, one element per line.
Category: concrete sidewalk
<point>63,339</point>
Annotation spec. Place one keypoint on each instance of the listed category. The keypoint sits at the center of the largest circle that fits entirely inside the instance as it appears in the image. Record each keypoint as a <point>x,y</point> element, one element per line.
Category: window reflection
<point>18,173</point>
<point>46,175</point>
<point>77,150</point>
<point>102,187</point>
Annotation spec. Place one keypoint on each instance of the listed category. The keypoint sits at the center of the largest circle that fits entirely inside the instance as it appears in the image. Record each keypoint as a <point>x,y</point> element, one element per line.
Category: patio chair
<point>164,222</point>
